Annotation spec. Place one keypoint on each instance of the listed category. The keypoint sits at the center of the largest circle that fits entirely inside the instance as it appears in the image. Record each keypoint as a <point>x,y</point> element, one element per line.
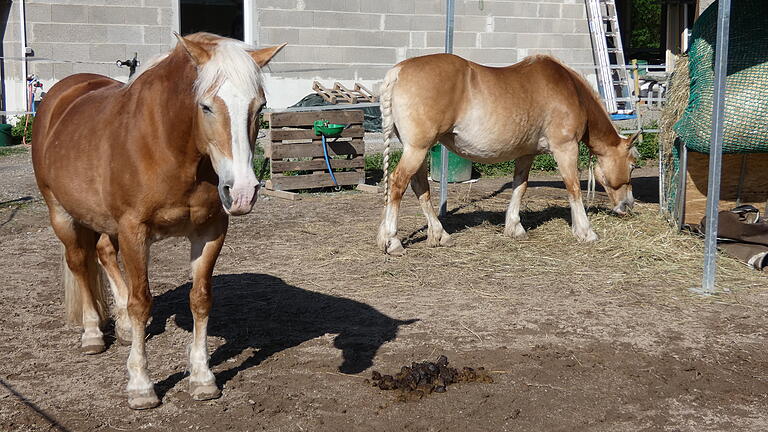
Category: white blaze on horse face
<point>237,174</point>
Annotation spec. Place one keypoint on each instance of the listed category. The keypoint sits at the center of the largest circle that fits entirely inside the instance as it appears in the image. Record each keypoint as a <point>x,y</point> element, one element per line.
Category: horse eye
<point>206,109</point>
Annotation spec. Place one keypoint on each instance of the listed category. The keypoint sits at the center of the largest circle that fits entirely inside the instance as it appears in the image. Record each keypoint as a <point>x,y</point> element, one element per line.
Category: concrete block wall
<point>90,35</point>
<point>359,40</point>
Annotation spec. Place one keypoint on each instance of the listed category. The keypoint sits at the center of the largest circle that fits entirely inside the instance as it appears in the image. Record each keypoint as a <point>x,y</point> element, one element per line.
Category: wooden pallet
<point>742,181</point>
<point>293,146</point>
<point>341,94</point>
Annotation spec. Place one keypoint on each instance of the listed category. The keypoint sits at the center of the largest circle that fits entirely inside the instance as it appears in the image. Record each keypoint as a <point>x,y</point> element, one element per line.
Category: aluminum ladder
<point>612,76</point>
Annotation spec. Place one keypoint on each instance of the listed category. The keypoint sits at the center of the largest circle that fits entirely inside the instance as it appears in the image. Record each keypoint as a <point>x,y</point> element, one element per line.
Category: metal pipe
<point>23,42</point>
<point>716,147</point>
<point>449,15</point>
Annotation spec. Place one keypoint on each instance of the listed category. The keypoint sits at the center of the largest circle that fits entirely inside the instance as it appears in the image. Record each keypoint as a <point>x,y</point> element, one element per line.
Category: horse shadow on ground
<point>262,313</point>
<point>644,189</point>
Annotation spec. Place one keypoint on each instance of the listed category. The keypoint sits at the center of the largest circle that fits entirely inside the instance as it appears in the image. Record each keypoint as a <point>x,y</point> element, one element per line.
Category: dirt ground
<point>600,337</point>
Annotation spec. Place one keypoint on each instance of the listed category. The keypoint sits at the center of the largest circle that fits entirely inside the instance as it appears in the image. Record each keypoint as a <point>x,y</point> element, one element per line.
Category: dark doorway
<point>223,17</point>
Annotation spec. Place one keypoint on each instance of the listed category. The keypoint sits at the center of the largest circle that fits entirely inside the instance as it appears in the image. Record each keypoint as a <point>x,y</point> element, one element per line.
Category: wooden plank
<point>316,164</point>
<point>297,119</point>
<point>292,196</point>
<point>316,180</point>
<point>355,131</point>
<point>754,189</point>
<point>315,149</point>
<point>369,188</point>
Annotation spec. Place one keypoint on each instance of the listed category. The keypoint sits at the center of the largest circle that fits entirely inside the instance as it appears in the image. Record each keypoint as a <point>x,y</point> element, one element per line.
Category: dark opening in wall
<point>223,17</point>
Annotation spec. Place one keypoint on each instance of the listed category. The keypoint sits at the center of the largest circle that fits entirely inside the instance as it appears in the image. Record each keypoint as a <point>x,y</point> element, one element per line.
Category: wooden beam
<point>316,164</point>
<point>316,180</point>
<point>355,131</point>
<point>297,119</point>
<point>292,196</point>
<point>315,149</point>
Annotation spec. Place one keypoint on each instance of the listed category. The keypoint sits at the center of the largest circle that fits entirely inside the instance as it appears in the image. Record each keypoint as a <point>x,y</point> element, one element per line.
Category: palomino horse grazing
<point>497,114</point>
<point>169,154</point>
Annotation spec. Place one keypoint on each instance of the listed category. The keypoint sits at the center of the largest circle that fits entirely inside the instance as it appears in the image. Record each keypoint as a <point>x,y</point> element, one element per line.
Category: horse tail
<point>387,122</point>
<point>73,299</point>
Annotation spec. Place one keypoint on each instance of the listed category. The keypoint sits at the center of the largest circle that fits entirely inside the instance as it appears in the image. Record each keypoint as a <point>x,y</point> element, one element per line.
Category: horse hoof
<point>446,240</point>
<point>589,237</point>
<point>517,233</point>
<point>395,248</point>
<point>204,391</point>
<point>142,399</point>
<point>94,345</point>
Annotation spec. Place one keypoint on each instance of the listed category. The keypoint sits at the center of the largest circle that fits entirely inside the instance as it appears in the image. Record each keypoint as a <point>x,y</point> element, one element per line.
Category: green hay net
<point>746,100</point>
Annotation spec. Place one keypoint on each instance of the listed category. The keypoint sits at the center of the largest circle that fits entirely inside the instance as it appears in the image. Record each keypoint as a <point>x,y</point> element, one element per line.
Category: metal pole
<point>716,147</point>
<point>449,12</point>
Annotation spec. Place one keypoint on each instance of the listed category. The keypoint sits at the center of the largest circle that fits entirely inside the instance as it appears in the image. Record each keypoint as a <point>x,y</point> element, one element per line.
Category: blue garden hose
<point>328,161</point>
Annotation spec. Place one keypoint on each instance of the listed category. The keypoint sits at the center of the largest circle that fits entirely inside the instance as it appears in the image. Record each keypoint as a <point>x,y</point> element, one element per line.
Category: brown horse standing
<point>169,154</point>
<point>491,115</point>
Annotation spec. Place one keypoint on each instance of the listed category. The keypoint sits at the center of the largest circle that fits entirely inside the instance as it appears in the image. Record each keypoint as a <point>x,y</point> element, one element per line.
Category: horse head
<point>614,171</point>
<point>230,96</point>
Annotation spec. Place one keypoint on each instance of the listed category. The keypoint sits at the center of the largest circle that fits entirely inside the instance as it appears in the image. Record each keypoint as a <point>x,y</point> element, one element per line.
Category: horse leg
<point>108,247</point>
<point>410,162</point>
<point>513,228</point>
<point>83,292</point>
<point>436,235</point>
<point>206,245</point>
<point>567,157</point>
<point>134,244</point>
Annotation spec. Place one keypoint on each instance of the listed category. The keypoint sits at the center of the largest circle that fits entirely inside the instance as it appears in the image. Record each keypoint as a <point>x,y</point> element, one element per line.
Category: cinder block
<point>400,6</point>
<point>397,22</point>
<point>125,34</point>
<point>68,33</point>
<point>333,5</point>
<point>549,10</point>
<point>106,15</point>
<point>367,55</point>
<point>418,40</point>
<point>161,3</point>
<point>278,35</point>
<point>431,7</point>
<point>517,25</point>
<point>286,18</point>
<point>577,41</point>
<point>396,39</point>
<point>44,71</point>
<point>71,52</point>
<point>142,16</point>
<point>428,22</point>
<point>539,41</point>
<point>157,35</point>
<point>38,13</point>
<point>503,40</point>
<point>277,4</point>
<point>470,23</point>
<point>577,10</point>
<point>460,39</point>
<point>107,52</point>
<point>336,37</point>
<point>68,13</point>
<point>373,6</point>
<point>167,17</point>
<point>62,70</point>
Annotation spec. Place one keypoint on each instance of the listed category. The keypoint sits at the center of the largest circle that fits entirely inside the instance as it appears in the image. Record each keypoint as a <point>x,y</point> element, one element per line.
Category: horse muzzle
<point>624,207</point>
<point>238,201</point>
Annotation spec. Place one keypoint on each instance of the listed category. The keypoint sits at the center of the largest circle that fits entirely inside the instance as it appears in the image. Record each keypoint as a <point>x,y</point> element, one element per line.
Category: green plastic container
<point>459,169</point>
<point>329,130</point>
<point>6,139</point>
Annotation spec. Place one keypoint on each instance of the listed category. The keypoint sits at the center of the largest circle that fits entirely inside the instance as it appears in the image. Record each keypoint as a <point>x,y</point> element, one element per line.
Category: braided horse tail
<point>387,122</point>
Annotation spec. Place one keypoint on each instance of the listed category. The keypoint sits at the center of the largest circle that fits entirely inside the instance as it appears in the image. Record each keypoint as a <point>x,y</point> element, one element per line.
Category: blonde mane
<point>230,60</point>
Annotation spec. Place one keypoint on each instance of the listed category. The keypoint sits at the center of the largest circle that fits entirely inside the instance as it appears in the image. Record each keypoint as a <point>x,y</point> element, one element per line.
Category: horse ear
<point>264,55</point>
<point>195,50</point>
<point>631,140</point>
